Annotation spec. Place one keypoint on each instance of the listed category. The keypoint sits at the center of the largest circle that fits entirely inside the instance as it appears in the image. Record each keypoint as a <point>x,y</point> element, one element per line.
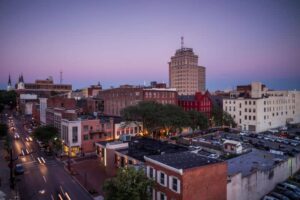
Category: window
<point>253,117</point>
<point>161,178</point>
<point>161,196</point>
<point>245,102</point>
<point>245,117</point>
<point>85,137</point>
<point>150,172</point>
<point>85,127</point>
<point>174,184</point>
<point>74,134</point>
<point>245,109</point>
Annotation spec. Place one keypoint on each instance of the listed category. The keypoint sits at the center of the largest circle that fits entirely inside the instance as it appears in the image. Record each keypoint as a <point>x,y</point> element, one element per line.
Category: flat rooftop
<point>184,160</point>
<point>253,161</point>
<point>139,147</point>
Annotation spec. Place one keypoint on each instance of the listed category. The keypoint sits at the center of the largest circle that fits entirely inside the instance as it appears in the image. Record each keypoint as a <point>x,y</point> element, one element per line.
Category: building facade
<point>198,102</point>
<point>117,99</point>
<point>264,109</point>
<point>42,87</point>
<point>184,73</point>
<point>194,177</point>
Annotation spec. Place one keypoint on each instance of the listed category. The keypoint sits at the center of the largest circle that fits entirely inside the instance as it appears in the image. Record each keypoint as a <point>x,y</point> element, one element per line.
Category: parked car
<point>290,194</point>
<point>279,196</point>
<point>19,169</point>
<point>267,197</point>
<point>290,187</point>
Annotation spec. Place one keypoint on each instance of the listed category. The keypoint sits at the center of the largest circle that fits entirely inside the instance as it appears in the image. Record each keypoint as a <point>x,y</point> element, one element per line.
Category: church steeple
<point>9,87</point>
<point>9,81</point>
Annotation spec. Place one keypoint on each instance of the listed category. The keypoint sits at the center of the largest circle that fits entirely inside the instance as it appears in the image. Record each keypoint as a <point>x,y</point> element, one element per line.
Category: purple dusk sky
<point>118,42</point>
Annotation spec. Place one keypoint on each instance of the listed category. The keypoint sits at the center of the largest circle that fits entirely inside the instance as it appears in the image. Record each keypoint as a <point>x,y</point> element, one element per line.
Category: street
<point>44,176</point>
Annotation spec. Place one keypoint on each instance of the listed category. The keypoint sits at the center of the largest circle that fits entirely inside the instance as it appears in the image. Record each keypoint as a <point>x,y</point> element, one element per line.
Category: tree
<point>45,133</point>
<point>156,118</point>
<point>8,98</point>
<point>173,117</point>
<point>221,118</point>
<point>217,114</point>
<point>3,130</point>
<point>128,184</point>
<point>228,120</point>
<point>197,120</point>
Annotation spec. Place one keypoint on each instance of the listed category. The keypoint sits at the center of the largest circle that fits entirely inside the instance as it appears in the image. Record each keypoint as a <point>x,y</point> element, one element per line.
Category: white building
<point>26,103</point>
<point>71,136</point>
<point>232,146</point>
<point>254,174</point>
<point>263,109</point>
<point>131,128</point>
<point>43,107</point>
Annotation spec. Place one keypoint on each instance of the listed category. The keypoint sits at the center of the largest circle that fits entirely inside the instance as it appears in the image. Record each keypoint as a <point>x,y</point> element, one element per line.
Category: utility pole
<point>11,167</point>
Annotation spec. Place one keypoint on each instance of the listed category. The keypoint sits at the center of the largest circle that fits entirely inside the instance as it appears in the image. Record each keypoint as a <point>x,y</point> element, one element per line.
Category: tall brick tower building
<point>184,73</point>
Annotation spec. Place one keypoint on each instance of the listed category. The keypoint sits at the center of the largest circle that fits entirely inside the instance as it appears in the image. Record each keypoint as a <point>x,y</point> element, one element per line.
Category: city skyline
<point>119,43</point>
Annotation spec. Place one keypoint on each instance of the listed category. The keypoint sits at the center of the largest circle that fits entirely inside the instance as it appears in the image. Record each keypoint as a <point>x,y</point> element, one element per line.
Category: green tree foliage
<point>197,120</point>
<point>228,120</point>
<point>3,130</point>
<point>128,184</point>
<point>221,118</point>
<point>8,98</point>
<point>156,117</point>
<point>45,133</point>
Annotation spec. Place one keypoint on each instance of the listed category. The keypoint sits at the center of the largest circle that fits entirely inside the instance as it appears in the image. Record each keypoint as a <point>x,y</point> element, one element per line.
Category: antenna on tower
<point>182,42</point>
<point>61,77</point>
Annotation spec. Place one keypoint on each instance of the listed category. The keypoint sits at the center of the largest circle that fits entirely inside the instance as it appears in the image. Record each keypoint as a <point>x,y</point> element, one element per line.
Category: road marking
<point>67,195</point>
<point>29,162</point>
<point>45,179</point>
<point>61,189</point>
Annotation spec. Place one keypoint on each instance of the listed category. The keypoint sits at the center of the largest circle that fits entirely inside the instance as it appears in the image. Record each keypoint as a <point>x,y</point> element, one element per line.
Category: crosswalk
<point>37,164</point>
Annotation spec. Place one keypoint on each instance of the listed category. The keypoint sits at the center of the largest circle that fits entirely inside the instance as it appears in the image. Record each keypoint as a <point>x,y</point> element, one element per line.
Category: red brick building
<point>118,98</point>
<point>95,130</point>
<point>198,102</point>
<point>187,176</point>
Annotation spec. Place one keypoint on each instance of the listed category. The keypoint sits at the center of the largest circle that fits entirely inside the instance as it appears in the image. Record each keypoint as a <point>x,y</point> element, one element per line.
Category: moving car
<point>17,136</point>
<point>19,169</point>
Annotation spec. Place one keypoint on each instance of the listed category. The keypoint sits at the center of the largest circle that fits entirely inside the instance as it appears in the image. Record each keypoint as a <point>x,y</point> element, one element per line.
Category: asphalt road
<point>42,181</point>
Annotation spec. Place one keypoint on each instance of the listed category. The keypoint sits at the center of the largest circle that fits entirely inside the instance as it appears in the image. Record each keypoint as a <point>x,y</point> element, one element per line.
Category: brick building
<point>54,109</point>
<point>118,98</point>
<point>92,91</point>
<point>187,176</point>
<point>114,155</point>
<point>46,85</point>
<point>95,130</point>
<point>81,134</point>
<point>198,102</point>
<point>178,173</point>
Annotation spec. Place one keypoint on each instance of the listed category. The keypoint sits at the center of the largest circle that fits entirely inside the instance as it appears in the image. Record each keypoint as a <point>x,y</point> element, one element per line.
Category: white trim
<point>148,172</point>
<point>171,184</point>
<point>159,177</point>
<point>158,195</point>
<point>179,171</point>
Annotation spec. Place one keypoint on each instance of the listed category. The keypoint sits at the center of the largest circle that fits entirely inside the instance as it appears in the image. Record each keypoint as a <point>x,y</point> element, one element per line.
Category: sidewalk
<point>91,175</point>
<point>5,191</point>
